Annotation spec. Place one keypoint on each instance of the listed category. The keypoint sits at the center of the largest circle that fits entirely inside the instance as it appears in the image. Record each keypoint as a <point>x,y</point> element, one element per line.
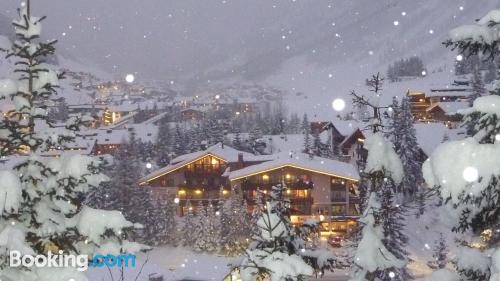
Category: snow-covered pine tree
<point>123,193</point>
<point>377,256</point>
<point>160,228</point>
<point>237,142</point>
<point>306,131</point>
<point>258,206</point>
<point>477,84</point>
<point>201,217</point>
<point>492,72</point>
<point>279,122</point>
<point>272,253</point>
<point>475,195</point>
<point>42,209</point>
<point>407,148</point>
<point>393,133</point>
<point>170,218</point>
<point>440,254</point>
<point>162,147</point>
<point>235,224</point>
<point>180,141</point>
<point>62,112</point>
<point>211,230</point>
<point>317,145</point>
<point>294,124</point>
<point>189,227</point>
<point>392,216</point>
<point>465,39</point>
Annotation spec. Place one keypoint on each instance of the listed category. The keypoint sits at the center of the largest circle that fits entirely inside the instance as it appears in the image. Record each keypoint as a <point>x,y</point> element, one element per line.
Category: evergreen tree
<point>42,210</point>
<point>306,131</point>
<point>273,246</point>
<point>237,143</point>
<point>235,224</point>
<point>279,120</point>
<point>469,45</point>
<point>62,112</point>
<point>406,146</point>
<point>190,227</point>
<point>294,124</point>
<point>492,73</point>
<point>162,148</point>
<point>478,210</point>
<point>395,240</point>
<point>201,217</point>
<point>172,229</point>
<point>478,88</point>
<point>317,145</point>
<point>440,253</point>
<point>160,229</point>
<point>420,201</point>
<point>210,228</point>
<point>165,223</point>
<point>123,193</point>
<point>180,141</point>
<point>380,253</point>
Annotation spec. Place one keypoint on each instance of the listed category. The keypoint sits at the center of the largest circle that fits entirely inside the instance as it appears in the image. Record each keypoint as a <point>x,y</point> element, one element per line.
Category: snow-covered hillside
<point>325,49</point>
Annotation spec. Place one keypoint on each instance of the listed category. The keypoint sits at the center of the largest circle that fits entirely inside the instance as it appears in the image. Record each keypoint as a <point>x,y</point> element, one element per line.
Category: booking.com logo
<point>81,262</point>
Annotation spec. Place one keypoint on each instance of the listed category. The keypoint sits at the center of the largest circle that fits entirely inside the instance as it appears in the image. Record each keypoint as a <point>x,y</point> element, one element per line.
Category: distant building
<point>447,112</point>
<point>434,106</point>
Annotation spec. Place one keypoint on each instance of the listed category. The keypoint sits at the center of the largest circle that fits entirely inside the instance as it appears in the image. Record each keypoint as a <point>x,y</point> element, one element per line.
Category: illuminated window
<point>265,178</point>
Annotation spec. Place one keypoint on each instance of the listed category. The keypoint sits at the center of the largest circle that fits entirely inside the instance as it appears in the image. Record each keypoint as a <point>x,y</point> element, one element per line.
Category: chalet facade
<point>199,175</point>
<point>447,112</point>
<point>318,188</point>
<point>347,140</point>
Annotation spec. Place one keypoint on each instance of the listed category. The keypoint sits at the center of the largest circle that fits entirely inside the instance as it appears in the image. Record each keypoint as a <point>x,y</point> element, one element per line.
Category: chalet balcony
<point>203,170</point>
<point>247,185</point>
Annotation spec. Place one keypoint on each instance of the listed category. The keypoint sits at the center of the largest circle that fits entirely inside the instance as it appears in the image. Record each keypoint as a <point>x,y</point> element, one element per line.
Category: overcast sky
<point>207,40</point>
<point>160,38</point>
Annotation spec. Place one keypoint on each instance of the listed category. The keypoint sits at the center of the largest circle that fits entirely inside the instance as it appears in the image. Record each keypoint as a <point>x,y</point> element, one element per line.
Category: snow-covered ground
<point>174,263</point>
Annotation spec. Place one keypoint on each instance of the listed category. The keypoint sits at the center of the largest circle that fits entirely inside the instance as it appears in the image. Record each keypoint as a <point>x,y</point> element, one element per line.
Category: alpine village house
<point>318,188</point>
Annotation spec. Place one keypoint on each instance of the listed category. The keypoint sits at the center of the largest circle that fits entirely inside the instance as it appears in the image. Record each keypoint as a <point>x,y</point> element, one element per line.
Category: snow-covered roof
<point>155,118</point>
<point>451,91</point>
<point>142,132</point>
<point>224,152</point>
<point>125,107</point>
<point>450,108</point>
<point>301,161</point>
<point>346,127</point>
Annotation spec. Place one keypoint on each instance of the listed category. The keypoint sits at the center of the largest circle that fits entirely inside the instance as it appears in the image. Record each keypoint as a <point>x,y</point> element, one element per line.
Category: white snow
<point>443,275</point>
<point>271,226</point>
<point>12,237</point>
<point>10,191</point>
<point>492,17</point>
<point>381,156</point>
<point>92,223</point>
<point>300,161</point>
<point>32,28</point>
<point>282,266</point>
<point>488,104</point>
<point>469,258</point>
<point>372,254</point>
<point>7,87</point>
<point>447,164</point>
<point>495,268</point>
<point>173,263</point>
